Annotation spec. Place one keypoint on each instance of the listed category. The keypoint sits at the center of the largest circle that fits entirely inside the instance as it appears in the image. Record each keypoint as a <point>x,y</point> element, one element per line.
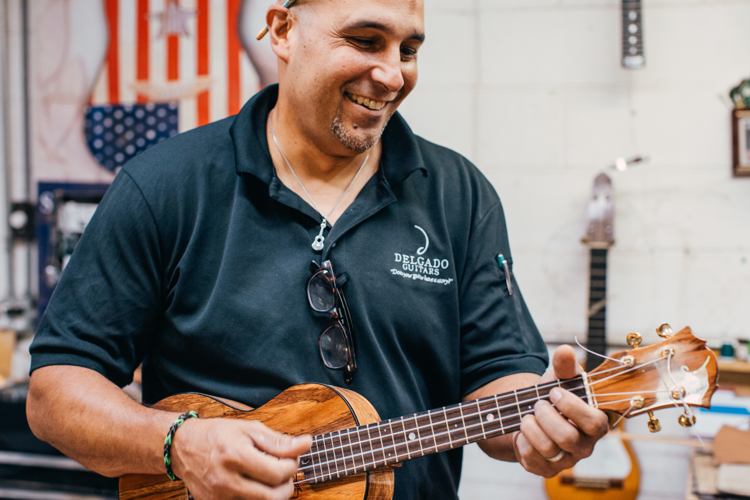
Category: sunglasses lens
<point>333,348</point>
<point>320,292</point>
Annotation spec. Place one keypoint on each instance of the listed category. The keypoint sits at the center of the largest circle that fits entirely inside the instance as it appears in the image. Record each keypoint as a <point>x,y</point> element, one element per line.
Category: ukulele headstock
<point>677,371</point>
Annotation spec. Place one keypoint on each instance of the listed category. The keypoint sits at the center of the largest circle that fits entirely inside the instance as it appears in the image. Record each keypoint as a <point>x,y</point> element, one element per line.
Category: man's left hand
<point>549,442</point>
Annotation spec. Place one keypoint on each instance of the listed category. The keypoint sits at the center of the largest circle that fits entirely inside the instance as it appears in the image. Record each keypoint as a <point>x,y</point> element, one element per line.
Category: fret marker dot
<point>412,436</point>
<point>633,15</point>
<point>490,417</point>
<point>633,29</point>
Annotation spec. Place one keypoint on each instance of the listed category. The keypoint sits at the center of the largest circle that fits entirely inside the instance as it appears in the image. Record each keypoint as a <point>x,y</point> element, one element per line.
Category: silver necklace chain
<point>319,239</point>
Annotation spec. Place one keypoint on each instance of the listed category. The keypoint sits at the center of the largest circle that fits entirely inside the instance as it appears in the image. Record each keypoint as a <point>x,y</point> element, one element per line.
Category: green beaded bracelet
<point>168,441</point>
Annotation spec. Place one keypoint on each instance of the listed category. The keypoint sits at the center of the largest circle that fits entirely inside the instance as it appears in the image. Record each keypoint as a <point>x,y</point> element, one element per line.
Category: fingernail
<point>300,440</point>
<point>555,395</point>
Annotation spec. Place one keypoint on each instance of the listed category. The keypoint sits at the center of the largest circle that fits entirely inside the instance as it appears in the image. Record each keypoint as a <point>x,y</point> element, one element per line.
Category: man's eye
<point>363,42</point>
<point>408,51</point>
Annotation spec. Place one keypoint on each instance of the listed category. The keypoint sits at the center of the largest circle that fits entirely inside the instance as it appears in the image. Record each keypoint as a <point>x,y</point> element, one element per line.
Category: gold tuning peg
<point>653,423</point>
<point>686,420</point>
<point>634,339</point>
<point>664,331</point>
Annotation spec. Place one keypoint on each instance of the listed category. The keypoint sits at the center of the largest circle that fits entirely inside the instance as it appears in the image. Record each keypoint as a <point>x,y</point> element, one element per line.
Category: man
<point>198,260</point>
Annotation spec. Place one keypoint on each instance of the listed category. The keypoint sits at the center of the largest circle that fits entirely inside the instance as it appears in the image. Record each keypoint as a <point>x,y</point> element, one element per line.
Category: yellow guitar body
<point>571,486</point>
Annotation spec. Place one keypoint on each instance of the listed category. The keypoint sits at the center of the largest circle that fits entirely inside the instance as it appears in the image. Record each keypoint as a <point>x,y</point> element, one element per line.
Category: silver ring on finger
<point>557,457</point>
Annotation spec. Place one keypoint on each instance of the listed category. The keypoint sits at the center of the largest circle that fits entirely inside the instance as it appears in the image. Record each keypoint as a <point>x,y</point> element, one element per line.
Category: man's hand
<point>546,433</point>
<point>236,459</point>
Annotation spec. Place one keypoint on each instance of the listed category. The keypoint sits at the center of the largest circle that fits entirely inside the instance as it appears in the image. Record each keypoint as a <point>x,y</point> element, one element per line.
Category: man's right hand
<point>236,459</point>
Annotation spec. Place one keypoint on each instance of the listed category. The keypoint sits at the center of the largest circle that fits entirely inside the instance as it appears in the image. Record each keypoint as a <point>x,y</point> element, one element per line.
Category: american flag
<point>172,65</point>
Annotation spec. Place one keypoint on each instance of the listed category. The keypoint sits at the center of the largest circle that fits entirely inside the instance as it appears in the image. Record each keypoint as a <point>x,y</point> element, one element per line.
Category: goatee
<point>354,142</point>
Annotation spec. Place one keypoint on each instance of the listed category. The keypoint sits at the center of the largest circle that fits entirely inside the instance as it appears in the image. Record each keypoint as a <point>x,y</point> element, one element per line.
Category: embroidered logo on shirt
<point>418,267</point>
<point>422,250</point>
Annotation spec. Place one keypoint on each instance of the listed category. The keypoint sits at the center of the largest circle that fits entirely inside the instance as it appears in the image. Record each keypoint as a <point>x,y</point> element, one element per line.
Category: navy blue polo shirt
<point>197,259</point>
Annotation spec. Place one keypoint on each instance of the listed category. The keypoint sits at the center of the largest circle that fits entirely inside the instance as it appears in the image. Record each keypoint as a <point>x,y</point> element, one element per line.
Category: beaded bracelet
<point>168,441</point>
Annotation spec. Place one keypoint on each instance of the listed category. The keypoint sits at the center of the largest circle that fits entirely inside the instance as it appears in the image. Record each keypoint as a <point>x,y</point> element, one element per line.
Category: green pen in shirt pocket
<point>505,266</point>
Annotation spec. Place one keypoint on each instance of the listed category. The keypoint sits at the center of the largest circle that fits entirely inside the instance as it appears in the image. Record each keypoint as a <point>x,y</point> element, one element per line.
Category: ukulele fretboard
<point>360,449</point>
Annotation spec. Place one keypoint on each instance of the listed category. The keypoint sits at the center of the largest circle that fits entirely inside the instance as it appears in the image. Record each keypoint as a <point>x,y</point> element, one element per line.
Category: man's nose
<point>388,71</point>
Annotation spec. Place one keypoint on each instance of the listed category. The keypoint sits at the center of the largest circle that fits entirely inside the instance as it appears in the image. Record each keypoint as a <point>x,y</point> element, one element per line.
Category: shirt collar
<point>401,152</point>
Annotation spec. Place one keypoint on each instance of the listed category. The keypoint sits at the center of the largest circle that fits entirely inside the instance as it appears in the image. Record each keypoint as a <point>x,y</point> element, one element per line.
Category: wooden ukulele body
<point>304,409</point>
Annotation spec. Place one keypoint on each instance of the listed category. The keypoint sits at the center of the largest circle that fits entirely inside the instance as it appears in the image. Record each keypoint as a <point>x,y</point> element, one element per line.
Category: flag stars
<point>174,20</point>
<point>116,134</point>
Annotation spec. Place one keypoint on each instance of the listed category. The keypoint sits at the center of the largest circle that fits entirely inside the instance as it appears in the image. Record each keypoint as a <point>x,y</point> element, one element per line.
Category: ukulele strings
<point>319,439</point>
<point>450,420</point>
<point>397,457</point>
<point>408,453</point>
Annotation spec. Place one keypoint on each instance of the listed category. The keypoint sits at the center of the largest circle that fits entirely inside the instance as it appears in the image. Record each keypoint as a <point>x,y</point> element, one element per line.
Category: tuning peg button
<point>686,420</point>
<point>664,331</point>
<point>653,423</point>
<point>634,339</point>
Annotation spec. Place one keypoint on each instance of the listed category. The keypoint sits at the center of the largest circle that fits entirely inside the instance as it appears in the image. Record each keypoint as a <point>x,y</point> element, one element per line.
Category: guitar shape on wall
<point>632,35</point>
<point>354,453</point>
<point>611,472</point>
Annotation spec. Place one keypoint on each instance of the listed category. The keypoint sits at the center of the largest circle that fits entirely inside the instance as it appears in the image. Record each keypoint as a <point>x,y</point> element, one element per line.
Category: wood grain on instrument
<point>613,394</point>
<point>303,409</point>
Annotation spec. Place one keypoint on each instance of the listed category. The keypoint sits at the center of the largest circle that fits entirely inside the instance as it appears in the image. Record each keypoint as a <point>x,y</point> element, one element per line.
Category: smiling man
<point>197,263</point>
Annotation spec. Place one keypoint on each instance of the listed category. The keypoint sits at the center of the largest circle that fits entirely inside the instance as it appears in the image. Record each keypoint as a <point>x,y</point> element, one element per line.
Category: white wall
<point>532,91</point>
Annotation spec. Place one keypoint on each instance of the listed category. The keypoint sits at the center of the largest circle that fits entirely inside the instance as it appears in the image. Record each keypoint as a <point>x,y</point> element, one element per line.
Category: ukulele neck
<point>389,442</point>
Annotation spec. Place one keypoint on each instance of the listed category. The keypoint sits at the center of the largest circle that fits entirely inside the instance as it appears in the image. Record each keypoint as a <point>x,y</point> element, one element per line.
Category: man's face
<point>351,63</point>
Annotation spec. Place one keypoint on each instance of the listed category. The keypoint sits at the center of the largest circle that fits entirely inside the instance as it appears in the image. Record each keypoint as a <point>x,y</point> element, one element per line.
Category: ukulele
<point>611,472</point>
<point>354,453</point>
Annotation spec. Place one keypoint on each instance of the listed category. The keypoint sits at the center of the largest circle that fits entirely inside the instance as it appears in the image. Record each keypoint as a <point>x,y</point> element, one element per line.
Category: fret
<point>536,388</point>
<point>318,462</point>
<point>432,429</point>
<point>400,435</point>
<point>328,462</point>
<point>463,423</point>
<point>419,434</point>
<point>491,425</point>
<point>341,450</point>
<point>406,438</point>
<point>517,404</point>
<point>335,460</point>
<point>447,426</point>
<point>369,441</point>
<point>481,420</point>
<point>361,450</point>
<point>382,444</point>
<point>393,441</point>
<point>442,439</point>
<point>351,449</point>
<point>499,415</point>
<point>414,435</point>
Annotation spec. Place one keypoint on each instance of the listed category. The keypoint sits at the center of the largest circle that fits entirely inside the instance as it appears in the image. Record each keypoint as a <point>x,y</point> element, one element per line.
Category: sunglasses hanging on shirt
<point>336,342</point>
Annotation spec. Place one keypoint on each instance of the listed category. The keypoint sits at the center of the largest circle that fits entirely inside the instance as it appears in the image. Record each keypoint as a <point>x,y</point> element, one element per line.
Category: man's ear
<point>279,21</point>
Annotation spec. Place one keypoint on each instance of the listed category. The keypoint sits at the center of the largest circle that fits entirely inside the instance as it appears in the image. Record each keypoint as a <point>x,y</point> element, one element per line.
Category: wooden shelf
<point>734,367</point>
